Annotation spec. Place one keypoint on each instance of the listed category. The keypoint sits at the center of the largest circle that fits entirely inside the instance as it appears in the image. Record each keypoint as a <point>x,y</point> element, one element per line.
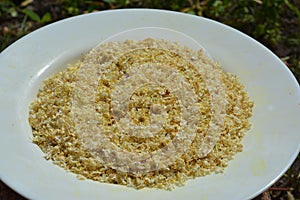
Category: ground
<point>274,23</point>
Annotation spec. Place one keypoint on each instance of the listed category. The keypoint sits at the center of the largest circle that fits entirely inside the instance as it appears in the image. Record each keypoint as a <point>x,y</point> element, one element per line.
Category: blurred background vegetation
<point>274,23</point>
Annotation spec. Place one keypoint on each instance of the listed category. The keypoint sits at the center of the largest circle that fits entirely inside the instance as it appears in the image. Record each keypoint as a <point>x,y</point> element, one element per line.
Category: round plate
<point>269,147</point>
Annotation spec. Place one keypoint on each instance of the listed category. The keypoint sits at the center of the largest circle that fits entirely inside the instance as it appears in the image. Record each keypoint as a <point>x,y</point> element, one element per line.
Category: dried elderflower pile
<point>147,113</point>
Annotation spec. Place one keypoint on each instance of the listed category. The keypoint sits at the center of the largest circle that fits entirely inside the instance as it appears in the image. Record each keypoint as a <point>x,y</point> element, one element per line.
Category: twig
<point>280,189</point>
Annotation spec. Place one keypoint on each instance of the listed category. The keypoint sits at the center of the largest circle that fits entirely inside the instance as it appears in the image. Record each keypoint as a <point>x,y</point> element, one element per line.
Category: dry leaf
<point>26,3</point>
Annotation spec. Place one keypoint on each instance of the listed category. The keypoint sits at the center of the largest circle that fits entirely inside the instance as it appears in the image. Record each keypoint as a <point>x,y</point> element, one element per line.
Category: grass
<point>275,23</point>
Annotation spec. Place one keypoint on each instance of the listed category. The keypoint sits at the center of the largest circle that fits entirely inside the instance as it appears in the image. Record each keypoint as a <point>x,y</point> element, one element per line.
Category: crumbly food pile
<point>158,114</point>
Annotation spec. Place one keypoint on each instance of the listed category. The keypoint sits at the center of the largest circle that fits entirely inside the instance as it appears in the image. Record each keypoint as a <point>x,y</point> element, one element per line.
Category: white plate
<point>142,33</point>
<point>269,147</point>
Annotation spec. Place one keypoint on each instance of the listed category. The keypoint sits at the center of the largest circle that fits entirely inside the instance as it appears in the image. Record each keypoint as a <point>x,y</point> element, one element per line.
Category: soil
<point>14,27</point>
